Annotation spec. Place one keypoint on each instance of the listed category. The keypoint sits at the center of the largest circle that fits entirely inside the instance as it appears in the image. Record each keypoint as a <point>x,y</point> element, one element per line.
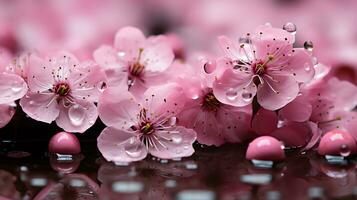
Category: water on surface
<point>211,173</point>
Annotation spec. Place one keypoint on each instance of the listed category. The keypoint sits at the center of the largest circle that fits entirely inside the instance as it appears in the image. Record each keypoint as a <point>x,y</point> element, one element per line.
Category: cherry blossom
<point>63,90</point>
<point>138,61</point>
<point>137,128</point>
<point>263,64</point>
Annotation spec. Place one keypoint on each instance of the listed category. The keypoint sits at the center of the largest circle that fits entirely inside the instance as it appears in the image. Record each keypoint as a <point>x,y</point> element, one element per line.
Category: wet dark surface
<point>211,173</point>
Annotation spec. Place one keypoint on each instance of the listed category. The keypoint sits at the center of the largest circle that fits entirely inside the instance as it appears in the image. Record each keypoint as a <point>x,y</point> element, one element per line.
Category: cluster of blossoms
<point>154,102</point>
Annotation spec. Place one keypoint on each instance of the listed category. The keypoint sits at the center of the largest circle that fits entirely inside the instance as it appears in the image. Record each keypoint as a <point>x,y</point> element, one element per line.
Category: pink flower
<point>137,128</point>
<point>138,61</point>
<point>63,90</point>
<point>12,88</point>
<point>264,64</point>
<point>215,122</point>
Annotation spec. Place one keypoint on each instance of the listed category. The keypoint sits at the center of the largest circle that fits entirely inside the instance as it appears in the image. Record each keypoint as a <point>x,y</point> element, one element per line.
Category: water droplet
<point>290,27</point>
<point>133,148</point>
<point>209,66</point>
<point>345,150</point>
<point>196,195</point>
<point>247,96</point>
<point>307,67</point>
<point>231,94</point>
<point>170,183</point>
<point>76,114</point>
<point>121,53</point>
<point>130,82</point>
<point>176,138</point>
<point>31,102</point>
<point>172,121</point>
<point>191,166</point>
<point>308,45</point>
<point>16,88</point>
<point>256,179</point>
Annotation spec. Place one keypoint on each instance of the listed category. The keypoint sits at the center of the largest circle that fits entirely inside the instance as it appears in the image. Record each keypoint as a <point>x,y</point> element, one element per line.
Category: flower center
<point>62,89</point>
<point>146,128</point>
<point>260,67</point>
<point>210,102</point>
<point>136,69</point>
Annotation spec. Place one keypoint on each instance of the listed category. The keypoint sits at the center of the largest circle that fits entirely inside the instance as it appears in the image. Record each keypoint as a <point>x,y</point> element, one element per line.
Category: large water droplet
<point>290,27</point>
<point>133,148</point>
<point>76,114</point>
<point>247,96</point>
<point>345,150</point>
<point>176,138</point>
<point>308,45</point>
<point>231,94</point>
<point>209,66</point>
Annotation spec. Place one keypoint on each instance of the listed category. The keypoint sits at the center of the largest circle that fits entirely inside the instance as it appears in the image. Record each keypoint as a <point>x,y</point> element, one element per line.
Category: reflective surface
<point>211,173</point>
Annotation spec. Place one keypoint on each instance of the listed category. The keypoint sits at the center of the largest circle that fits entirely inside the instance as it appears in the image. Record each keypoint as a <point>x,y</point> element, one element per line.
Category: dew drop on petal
<point>172,121</point>
<point>290,27</point>
<point>76,114</point>
<point>308,45</point>
<point>133,148</point>
<point>121,54</point>
<point>307,67</point>
<point>247,96</point>
<point>209,66</point>
<point>345,150</point>
<point>176,138</point>
<point>16,88</point>
<point>231,94</point>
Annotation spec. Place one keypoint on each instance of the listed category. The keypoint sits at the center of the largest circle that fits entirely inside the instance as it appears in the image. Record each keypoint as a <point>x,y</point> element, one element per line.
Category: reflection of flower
<point>7,186</point>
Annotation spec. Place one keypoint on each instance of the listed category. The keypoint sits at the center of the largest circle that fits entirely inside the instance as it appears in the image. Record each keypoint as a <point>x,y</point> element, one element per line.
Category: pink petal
<point>118,108</point>
<point>107,57</point>
<point>77,117</point>
<point>120,146</point>
<point>40,106</point>
<point>128,41</point>
<point>40,77</point>
<point>157,55</point>
<point>207,129</point>
<point>86,81</point>
<point>300,66</point>
<point>264,121</point>
<point>293,134</point>
<point>12,87</point>
<point>272,41</point>
<point>164,99</point>
<point>6,113</point>
<point>274,94</point>
<point>299,110</point>
<point>316,134</point>
<point>229,48</point>
<point>234,88</point>
<point>234,124</point>
<point>179,143</point>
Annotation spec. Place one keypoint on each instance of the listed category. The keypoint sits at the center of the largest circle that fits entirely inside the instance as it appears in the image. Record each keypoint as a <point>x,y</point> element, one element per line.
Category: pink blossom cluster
<point>155,102</point>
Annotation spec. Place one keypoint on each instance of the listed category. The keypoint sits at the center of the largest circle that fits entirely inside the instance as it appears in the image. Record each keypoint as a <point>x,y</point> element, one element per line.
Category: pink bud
<point>64,143</point>
<point>265,148</point>
<point>337,143</point>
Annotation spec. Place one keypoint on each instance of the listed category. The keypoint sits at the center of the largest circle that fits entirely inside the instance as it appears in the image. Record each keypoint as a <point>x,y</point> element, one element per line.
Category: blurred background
<point>82,25</point>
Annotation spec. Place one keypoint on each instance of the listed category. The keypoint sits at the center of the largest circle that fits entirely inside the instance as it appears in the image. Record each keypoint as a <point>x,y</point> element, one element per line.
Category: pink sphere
<point>265,148</point>
<point>337,143</point>
<point>64,143</point>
